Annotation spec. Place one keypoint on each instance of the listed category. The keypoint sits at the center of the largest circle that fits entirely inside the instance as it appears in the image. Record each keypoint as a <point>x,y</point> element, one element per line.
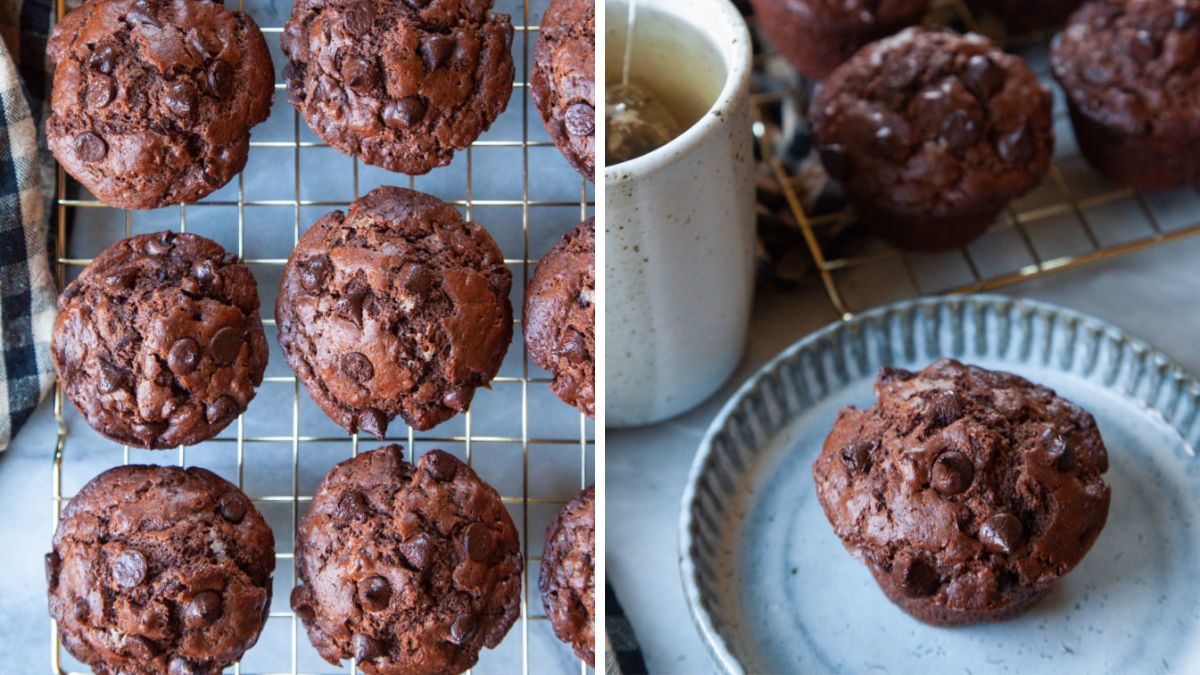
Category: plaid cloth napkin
<point>27,290</point>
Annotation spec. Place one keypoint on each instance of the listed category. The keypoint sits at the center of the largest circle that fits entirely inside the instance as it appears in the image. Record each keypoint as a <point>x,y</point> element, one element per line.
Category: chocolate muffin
<point>154,99</point>
<point>816,36</point>
<point>1031,15</point>
<point>397,307</point>
<point>568,577</point>
<point>401,84</point>
<point>967,492</point>
<point>159,569</point>
<point>159,343</point>
<point>1131,72</point>
<point>932,133</point>
<point>409,569</point>
<point>560,317</point>
<point>563,81</point>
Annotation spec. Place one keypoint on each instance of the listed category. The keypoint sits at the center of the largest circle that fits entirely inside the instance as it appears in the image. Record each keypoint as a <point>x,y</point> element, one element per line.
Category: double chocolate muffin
<point>396,307</point>
<point>159,343</point>
<point>932,133</point>
<point>568,575</point>
<point>1131,72</point>
<point>564,80</point>
<point>967,492</point>
<point>154,99</point>
<point>159,569</point>
<point>401,84</point>
<point>409,569</point>
<point>560,317</point>
<point>816,36</point>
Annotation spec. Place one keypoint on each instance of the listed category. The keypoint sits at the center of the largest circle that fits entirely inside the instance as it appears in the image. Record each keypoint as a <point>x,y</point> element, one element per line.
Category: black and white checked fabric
<point>27,290</point>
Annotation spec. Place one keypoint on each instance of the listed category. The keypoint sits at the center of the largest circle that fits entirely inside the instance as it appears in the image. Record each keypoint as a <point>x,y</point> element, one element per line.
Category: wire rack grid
<point>519,390</point>
<point>1074,218</point>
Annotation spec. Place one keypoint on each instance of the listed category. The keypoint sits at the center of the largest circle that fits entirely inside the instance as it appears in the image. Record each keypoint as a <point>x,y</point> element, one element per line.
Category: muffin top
<point>564,80</point>
<point>159,342</point>
<point>931,121</point>
<point>560,316</point>
<point>1133,65</point>
<point>401,84</point>
<point>410,569</point>
<point>568,574</point>
<point>964,486</point>
<point>154,99</point>
<point>159,569</point>
<point>396,307</point>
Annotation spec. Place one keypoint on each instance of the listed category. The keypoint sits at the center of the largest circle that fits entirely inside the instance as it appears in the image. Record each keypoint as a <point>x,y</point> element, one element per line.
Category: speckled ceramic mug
<point>679,222</point>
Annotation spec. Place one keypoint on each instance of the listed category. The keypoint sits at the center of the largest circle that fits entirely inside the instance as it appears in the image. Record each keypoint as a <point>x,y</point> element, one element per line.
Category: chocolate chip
<point>220,79</point>
<point>836,160</point>
<point>144,12</point>
<point>946,408</point>
<point>1058,451</point>
<point>350,304</point>
<point>181,98</point>
<point>1182,18</point>
<point>463,628</point>
<point>437,50</point>
<point>580,119</point>
<point>366,647</point>
<point>80,610</point>
<point>225,345</point>
<point>353,506</point>
<point>417,278</point>
<point>901,72</point>
<point>890,144</point>
<point>458,398</point>
<point>90,148</point>
<point>1002,533</point>
<point>53,562</point>
<point>478,542</point>
<point>984,76</point>
<point>221,410</point>
<point>373,422</point>
<point>204,608</point>
<point>574,347</point>
<point>404,113</point>
<point>184,356</point>
<point>1143,48</point>
<point>232,507</point>
<point>916,578</point>
<point>103,59</point>
<point>110,378</point>
<point>857,455</point>
<point>298,600</point>
<point>358,18</point>
<point>359,74</point>
<point>314,272</point>
<point>374,593</point>
<point>139,647</point>
<point>100,91</point>
<point>161,243</point>
<point>1016,147</point>
<point>442,466</point>
<point>952,473</point>
<point>181,666</point>
<point>129,568</point>
<point>357,367</point>
<point>418,4</point>
<point>959,130</point>
<point>416,551</point>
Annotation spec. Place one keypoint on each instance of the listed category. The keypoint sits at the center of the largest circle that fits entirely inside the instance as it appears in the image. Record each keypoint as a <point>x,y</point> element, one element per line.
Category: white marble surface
<point>1154,294</point>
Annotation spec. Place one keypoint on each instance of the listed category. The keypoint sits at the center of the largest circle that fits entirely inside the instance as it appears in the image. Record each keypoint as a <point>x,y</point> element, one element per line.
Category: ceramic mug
<point>679,224</point>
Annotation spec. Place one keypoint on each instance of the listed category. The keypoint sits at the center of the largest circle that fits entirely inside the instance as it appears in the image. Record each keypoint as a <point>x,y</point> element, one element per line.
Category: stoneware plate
<point>773,591</point>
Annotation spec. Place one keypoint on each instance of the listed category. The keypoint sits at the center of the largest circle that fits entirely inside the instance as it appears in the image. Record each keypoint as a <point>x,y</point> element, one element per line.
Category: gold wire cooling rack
<point>1074,218</point>
<point>526,480</point>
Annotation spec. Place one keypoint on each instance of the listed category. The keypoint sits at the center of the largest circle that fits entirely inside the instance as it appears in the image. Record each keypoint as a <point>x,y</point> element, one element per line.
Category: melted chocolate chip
<point>1058,451</point>
<point>417,278</point>
<point>103,59</point>
<point>221,410</point>
<point>574,347</point>
<point>916,578</point>
<point>226,344</point>
<point>404,113</point>
<point>836,160</point>
<point>441,466</point>
<point>139,647</point>
<point>477,542</point>
<point>580,119</point>
<point>80,610</point>
<point>983,77</point>
<point>458,398</point>
<point>1143,47</point>
<point>1016,147</point>
<point>373,422</point>
<point>100,91</point>
<point>298,599</point>
<point>417,551</point>
<point>110,378</point>
<point>1182,18</point>
<point>366,647</point>
<point>437,50</point>
<point>357,367</point>
<point>353,506</point>
<point>901,72</point>
<point>314,272</point>
<point>946,408</point>
<point>374,593</point>
<point>89,147</point>
<point>144,12</point>
<point>184,356</point>
<point>953,473</point>
<point>359,74</point>
<point>857,455</point>
<point>129,568</point>
<point>232,507</point>
<point>53,562</point>
<point>889,143</point>
<point>463,628</point>
<point>1002,533</point>
<point>180,98</point>
<point>204,608</point>
<point>959,130</point>
<point>220,79</point>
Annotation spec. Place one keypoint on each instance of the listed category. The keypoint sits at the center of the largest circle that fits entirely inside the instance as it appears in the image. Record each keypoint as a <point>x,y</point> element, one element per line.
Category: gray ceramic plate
<point>772,590</point>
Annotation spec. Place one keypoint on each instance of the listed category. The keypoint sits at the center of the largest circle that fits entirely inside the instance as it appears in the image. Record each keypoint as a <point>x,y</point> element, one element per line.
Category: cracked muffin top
<point>563,82</point>
<point>965,491</point>
<point>567,578</point>
<point>401,84</point>
<point>153,100</point>
<point>396,307</point>
<point>159,342</point>
<point>408,568</point>
<point>930,121</point>
<point>158,569</point>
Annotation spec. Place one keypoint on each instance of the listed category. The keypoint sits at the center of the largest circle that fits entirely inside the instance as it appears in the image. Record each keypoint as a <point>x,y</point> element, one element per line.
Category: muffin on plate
<point>567,579</point>
<point>400,84</point>
<point>932,133</point>
<point>816,36</point>
<point>1131,72</point>
<point>159,342</point>
<point>396,307</point>
<point>559,318</point>
<point>158,569</point>
<point>154,99</point>
<point>407,568</point>
<point>563,81</point>
<point>966,492</point>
